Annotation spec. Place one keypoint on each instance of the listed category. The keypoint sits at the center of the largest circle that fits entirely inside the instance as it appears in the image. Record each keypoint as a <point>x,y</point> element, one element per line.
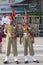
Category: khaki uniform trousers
<point>27,43</point>
<point>10,42</point>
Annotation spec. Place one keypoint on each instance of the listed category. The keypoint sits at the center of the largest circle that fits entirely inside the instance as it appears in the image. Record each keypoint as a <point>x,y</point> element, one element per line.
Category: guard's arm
<point>5,30</point>
<point>21,35</point>
<point>32,29</point>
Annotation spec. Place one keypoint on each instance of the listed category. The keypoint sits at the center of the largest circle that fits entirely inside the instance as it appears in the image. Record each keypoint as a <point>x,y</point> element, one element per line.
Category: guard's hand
<point>9,34</point>
<point>32,40</point>
<point>21,40</point>
<point>14,36</point>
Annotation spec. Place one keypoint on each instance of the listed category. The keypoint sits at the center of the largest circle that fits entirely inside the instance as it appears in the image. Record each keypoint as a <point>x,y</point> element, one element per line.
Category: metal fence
<point>38,30</point>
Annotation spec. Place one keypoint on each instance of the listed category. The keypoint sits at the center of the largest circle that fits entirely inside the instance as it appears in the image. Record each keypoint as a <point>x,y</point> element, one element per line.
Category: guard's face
<point>10,21</point>
<point>26,21</point>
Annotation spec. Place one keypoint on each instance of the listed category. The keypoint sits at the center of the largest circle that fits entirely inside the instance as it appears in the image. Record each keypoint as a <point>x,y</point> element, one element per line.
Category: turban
<point>13,13</point>
<point>26,15</point>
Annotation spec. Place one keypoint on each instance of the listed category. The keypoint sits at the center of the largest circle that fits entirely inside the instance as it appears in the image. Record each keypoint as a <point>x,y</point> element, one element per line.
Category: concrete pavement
<point>38,48</point>
<point>21,61</point>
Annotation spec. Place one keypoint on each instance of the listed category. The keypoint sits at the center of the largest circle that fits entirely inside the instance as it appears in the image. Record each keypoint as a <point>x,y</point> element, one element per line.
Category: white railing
<point>38,30</point>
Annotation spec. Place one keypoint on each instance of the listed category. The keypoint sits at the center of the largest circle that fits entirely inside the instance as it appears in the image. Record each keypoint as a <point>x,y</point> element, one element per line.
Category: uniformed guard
<point>10,31</point>
<point>28,40</point>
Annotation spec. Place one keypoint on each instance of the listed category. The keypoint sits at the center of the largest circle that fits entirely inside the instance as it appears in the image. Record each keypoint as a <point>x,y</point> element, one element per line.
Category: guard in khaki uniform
<point>10,31</point>
<point>28,40</point>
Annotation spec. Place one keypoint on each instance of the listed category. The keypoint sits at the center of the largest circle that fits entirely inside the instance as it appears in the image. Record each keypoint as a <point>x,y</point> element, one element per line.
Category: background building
<point>33,7</point>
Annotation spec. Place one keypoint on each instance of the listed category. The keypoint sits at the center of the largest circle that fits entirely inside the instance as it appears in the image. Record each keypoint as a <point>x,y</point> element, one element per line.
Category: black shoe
<point>36,61</point>
<point>5,62</point>
<point>17,62</point>
<point>26,62</point>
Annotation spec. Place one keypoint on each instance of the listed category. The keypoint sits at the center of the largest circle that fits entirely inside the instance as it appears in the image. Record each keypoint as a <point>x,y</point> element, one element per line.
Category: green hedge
<point>36,13</point>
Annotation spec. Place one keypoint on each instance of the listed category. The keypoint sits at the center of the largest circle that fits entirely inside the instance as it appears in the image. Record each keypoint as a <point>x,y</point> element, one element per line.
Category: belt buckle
<point>25,33</point>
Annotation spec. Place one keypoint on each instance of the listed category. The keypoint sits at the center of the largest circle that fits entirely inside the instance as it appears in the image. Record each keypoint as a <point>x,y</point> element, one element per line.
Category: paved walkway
<point>38,48</point>
<point>21,60</point>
